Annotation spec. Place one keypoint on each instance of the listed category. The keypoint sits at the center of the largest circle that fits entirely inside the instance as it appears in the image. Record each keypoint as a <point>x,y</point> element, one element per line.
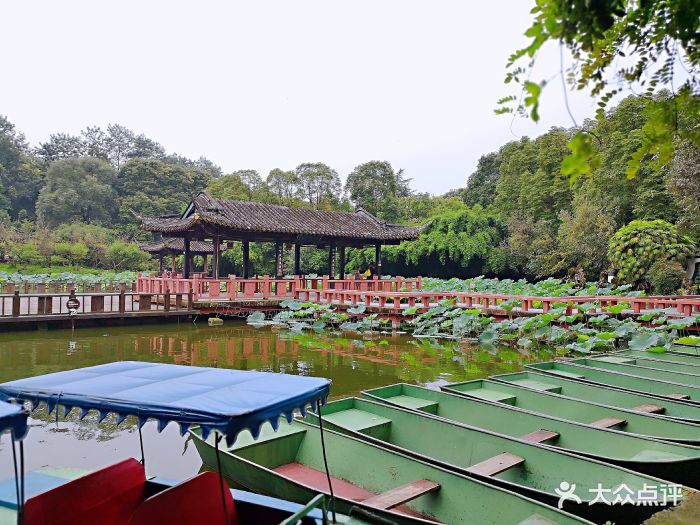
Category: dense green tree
<point>614,44</point>
<point>20,173</point>
<point>77,190</point>
<point>635,248</point>
<point>152,187</point>
<point>283,184</point>
<point>375,187</point>
<point>481,185</point>
<point>61,146</point>
<point>319,185</point>
<point>229,187</point>
<point>684,185</point>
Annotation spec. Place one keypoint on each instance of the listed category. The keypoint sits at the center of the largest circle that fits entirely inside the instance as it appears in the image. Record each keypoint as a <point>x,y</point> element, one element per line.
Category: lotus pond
<point>353,361</point>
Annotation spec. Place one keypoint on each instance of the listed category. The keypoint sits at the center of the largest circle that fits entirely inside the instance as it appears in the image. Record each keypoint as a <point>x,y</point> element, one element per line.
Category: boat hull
<point>579,410</point>
<point>458,447</point>
<point>458,500</point>
<point>675,462</point>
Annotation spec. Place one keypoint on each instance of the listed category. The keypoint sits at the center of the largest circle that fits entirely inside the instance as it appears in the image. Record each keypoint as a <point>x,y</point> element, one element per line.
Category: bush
<point>639,245</point>
<point>121,255</point>
<point>665,278</point>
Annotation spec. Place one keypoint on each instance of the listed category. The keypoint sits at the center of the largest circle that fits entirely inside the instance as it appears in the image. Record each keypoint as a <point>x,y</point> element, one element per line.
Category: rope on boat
<point>221,478</point>
<point>325,461</point>
<point>20,514</point>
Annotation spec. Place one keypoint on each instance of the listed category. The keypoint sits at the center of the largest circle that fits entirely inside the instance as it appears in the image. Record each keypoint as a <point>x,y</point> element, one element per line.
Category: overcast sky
<point>259,85</point>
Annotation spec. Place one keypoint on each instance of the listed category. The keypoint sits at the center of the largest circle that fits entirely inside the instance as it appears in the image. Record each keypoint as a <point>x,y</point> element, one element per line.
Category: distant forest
<point>517,215</point>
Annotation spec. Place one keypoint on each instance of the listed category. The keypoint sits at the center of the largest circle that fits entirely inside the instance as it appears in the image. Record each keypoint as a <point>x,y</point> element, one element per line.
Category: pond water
<point>351,361</point>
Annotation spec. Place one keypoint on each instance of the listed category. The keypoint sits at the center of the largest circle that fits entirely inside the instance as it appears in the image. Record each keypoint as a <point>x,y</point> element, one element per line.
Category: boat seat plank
<point>650,409</point>
<point>403,494</point>
<point>616,359</point>
<point>608,422</point>
<point>415,403</point>
<point>537,385</point>
<point>540,436</point>
<point>678,395</point>
<point>564,373</point>
<point>489,394</point>
<point>496,464</point>
<point>537,519</point>
<point>357,420</point>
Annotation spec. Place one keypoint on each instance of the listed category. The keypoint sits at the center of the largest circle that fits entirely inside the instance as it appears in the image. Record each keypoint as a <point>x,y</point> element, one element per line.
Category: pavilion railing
<point>266,287</point>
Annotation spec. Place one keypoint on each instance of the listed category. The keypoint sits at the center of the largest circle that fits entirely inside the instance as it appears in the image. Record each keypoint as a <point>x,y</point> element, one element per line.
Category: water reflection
<point>351,361</point>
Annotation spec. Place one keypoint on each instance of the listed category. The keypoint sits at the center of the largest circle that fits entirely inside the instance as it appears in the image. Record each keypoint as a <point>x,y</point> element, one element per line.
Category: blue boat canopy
<point>224,400</point>
<point>13,418</point>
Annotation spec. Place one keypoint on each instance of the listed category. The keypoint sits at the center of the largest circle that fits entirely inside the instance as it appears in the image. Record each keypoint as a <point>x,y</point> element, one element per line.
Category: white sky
<point>272,84</point>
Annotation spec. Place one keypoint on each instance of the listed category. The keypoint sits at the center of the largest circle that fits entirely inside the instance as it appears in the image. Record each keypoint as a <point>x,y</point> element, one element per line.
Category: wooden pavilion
<point>219,220</point>
<point>174,246</point>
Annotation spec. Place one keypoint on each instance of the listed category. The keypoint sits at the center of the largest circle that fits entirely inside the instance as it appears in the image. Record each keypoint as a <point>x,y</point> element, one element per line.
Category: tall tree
<point>61,146</point>
<point>481,185</point>
<point>616,44</point>
<point>376,187</point>
<point>319,184</point>
<point>77,190</point>
<point>283,184</point>
<point>20,174</point>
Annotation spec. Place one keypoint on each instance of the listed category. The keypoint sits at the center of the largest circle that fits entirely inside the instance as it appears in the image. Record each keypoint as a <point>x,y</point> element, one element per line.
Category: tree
<point>61,146</point>
<point>319,184</point>
<point>283,184</point>
<point>152,187</point>
<point>20,173</point>
<point>684,185</point>
<point>77,190</point>
<point>613,43</point>
<point>636,247</point>
<point>119,144</point>
<point>481,185</point>
<point>376,188</point>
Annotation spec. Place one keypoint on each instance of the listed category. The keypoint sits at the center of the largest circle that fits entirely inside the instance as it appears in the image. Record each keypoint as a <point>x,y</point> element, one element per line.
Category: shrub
<point>636,247</point>
<point>121,255</point>
<point>665,278</point>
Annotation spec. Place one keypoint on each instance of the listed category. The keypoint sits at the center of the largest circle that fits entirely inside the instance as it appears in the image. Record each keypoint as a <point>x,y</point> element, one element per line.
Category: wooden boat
<point>671,461</point>
<point>597,375</point>
<point>542,402</point>
<point>215,399</point>
<point>603,395</point>
<point>520,465</point>
<point>392,486</point>
<point>653,370</point>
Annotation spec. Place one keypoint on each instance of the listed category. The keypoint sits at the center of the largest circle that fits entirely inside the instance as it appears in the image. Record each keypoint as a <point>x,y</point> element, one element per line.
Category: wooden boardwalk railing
<point>50,305</point>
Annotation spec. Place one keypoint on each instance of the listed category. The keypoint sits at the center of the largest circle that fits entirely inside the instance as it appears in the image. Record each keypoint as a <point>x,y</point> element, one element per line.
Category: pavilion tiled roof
<point>256,217</point>
<point>176,244</point>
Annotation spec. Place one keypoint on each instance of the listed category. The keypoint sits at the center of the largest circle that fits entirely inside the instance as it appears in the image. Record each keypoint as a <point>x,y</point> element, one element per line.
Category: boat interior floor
<point>317,480</point>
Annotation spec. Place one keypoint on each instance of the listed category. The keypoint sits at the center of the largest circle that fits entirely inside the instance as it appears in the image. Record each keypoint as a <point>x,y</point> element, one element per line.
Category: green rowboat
<point>665,357</point>
<point>542,402</point>
<point>517,465</point>
<point>603,395</point>
<point>289,463</point>
<point>653,370</point>
<point>661,459</point>
<point>688,350</point>
<point>586,372</point>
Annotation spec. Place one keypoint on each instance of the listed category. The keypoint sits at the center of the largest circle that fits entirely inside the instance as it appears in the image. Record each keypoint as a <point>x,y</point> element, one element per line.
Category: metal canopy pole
<point>246,259</point>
